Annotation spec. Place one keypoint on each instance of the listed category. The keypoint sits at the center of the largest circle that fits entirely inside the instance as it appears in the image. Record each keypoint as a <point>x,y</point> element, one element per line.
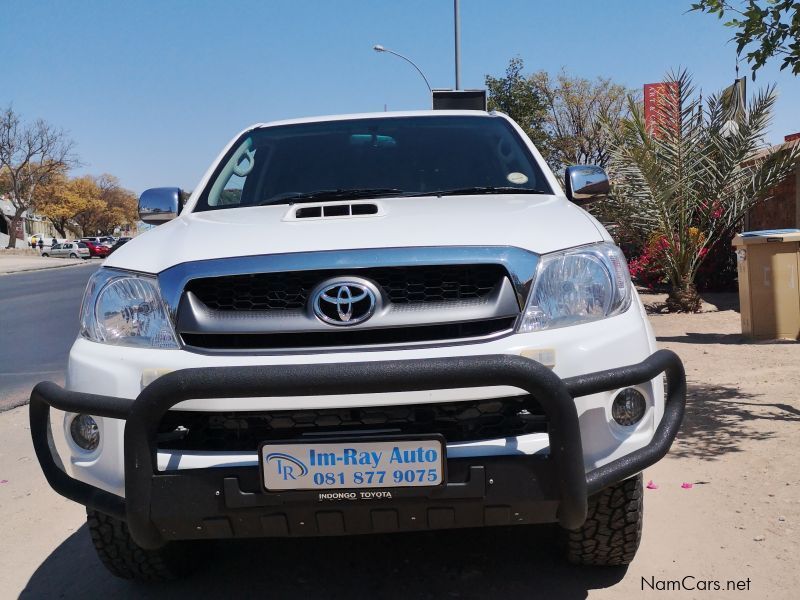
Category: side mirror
<point>585,184</point>
<point>159,205</point>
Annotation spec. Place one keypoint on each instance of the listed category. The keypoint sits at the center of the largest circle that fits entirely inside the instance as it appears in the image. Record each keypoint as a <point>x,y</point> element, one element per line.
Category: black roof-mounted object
<point>459,99</point>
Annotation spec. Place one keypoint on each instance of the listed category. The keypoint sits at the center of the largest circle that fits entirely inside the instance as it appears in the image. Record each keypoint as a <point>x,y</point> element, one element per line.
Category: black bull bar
<point>143,415</point>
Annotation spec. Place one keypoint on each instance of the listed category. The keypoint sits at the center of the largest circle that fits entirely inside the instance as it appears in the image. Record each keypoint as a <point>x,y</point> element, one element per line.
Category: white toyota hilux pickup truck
<point>362,324</point>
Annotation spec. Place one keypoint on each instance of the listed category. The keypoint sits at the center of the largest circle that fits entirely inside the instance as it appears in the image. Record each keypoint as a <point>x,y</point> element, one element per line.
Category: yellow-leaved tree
<point>91,205</point>
<point>63,201</point>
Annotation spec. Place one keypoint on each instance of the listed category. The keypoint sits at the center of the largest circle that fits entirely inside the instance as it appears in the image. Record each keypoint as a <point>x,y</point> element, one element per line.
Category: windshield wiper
<point>477,190</point>
<point>323,195</point>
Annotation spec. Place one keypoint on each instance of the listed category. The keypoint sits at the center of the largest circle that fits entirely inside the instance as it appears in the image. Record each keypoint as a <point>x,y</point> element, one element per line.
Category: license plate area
<point>360,463</point>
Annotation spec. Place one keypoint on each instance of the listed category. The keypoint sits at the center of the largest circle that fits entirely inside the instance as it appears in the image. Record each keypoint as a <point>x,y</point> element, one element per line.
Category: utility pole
<point>457,19</point>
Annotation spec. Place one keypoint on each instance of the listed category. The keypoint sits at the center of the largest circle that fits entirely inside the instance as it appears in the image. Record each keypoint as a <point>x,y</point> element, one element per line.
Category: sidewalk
<point>18,264</point>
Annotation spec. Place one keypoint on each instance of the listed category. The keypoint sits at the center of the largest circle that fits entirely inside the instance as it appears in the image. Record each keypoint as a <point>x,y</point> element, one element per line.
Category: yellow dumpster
<point>768,263</point>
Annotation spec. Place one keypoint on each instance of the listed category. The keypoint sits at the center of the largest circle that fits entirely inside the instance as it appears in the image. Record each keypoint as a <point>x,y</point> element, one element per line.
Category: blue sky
<point>151,91</point>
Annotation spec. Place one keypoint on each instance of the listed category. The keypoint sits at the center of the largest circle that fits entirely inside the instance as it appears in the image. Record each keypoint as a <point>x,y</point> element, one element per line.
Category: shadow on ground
<point>720,338</point>
<point>704,338</point>
<point>474,563</point>
<point>718,421</point>
<point>712,302</point>
<point>722,300</point>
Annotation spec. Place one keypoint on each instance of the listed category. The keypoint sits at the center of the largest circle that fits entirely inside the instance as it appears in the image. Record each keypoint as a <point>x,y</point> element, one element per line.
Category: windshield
<point>362,158</point>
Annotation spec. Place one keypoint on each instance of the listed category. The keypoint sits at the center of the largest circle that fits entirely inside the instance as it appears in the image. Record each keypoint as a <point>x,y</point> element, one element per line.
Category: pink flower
<point>687,486</point>
<point>651,485</point>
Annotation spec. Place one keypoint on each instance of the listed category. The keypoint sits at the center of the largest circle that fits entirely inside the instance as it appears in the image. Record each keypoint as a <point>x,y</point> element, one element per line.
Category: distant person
<point>54,242</point>
<point>41,244</point>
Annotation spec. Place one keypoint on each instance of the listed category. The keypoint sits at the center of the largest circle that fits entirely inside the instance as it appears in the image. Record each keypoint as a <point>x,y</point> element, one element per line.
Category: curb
<point>47,268</point>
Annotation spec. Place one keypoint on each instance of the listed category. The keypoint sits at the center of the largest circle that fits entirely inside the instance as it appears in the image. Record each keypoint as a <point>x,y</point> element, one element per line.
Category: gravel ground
<point>739,520</point>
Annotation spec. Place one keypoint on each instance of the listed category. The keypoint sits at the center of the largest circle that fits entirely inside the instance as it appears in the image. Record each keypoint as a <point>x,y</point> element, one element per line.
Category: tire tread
<point>613,528</point>
<point>124,558</point>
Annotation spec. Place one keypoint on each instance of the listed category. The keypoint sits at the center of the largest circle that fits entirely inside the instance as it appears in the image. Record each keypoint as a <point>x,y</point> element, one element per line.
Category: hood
<point>537,223</point>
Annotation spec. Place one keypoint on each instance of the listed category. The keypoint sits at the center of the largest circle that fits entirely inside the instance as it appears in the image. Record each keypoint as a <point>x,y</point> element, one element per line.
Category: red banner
<point>661,106</point>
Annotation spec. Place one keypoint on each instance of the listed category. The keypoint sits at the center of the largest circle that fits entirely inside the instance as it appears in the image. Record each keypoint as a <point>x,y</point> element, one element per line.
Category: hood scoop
<point>333,210</point>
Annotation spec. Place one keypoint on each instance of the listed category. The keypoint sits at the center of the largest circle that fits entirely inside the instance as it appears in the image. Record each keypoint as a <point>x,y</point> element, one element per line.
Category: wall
<point>782,211</point>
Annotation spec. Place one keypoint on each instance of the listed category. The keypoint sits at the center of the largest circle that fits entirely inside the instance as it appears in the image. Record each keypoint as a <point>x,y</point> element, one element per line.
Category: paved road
<point>38,323</point>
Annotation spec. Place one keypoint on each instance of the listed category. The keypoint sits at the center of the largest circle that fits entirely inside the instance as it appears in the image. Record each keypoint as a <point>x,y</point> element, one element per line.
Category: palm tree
<point>684,183</point>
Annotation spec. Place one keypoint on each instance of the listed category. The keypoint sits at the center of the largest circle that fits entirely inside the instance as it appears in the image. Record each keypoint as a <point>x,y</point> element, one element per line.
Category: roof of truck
<point>380,115</point>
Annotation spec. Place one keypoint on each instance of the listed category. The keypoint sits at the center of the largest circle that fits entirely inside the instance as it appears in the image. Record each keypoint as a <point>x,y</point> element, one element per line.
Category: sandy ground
<point>739,521</point>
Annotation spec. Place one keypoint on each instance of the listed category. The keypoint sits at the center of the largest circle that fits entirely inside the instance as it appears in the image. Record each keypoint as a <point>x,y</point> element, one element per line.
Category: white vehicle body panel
<point>538,223</point>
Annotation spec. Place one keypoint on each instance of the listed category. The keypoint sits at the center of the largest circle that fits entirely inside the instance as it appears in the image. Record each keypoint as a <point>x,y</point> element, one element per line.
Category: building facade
<point>30,224</point>
<point>783,210</point>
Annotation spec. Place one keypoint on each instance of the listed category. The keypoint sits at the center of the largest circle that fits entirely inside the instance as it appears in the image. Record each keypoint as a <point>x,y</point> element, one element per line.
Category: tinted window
<point>82,245</point>
<point>415,155</point>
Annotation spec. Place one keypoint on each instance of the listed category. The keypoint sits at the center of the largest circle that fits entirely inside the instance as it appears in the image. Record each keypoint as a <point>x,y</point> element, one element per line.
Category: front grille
<point>464,421</point>
<point>402,285</point>
<point>348,337</point>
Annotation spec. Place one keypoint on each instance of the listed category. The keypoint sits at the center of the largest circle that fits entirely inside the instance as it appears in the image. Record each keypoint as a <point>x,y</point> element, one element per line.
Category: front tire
<point>45,254</point>
<point>73,255</point>
<point>613,528</point>
<point>124,558</point>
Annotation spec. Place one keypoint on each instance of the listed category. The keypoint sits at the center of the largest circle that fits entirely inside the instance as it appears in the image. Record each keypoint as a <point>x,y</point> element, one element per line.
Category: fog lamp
<point>628,407</point>
<point>85,432</point>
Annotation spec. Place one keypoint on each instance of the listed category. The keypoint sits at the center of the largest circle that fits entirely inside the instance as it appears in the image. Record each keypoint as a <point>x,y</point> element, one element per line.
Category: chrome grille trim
<point>196,318</point>
<point>506,301</point>
<point>520,264</point>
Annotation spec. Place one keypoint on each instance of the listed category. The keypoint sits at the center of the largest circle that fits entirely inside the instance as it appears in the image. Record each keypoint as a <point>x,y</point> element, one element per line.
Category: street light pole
<point>379,48</point>
<point>457,21</point>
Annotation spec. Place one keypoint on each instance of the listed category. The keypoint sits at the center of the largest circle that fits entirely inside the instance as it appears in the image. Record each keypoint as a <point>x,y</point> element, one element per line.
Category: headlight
<point>577,286</point>
<point>125,309</point>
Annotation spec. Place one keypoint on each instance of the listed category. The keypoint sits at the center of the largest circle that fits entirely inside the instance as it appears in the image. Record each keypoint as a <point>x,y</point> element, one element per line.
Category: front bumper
<point>227,502</point>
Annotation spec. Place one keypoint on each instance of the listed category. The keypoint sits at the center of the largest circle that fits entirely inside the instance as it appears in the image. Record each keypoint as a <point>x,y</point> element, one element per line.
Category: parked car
<point>105,240</point>
<point>68,250</point>
<point>119,243</point>
<point>427,333</point>
<point>97,249</point>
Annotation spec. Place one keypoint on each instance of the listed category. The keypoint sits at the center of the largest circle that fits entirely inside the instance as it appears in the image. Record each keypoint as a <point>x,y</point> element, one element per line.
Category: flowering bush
<point>717,270</point>
<point>645,269</point>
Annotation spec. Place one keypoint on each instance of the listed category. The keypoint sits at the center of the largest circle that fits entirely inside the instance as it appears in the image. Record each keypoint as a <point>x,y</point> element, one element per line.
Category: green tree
<point>517,95</point>
<point>681,185</point>
<point>765,28</point>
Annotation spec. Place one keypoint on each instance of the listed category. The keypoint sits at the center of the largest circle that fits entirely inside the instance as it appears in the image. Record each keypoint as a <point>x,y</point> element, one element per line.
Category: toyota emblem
<point>344,302</point>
